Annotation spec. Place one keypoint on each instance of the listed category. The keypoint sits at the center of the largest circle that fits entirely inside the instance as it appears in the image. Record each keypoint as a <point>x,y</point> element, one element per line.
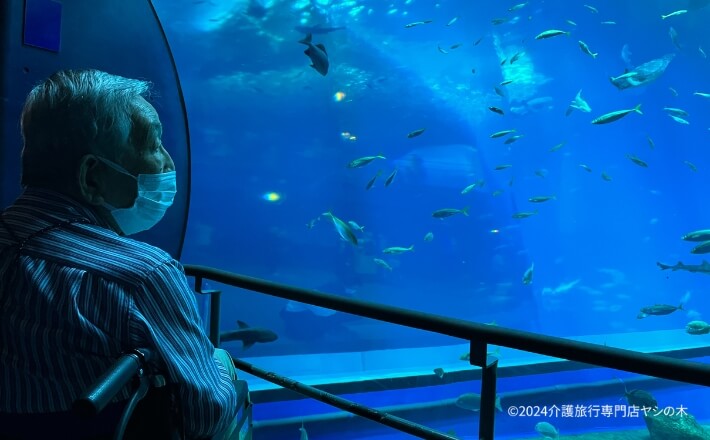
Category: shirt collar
<point>58,205</point>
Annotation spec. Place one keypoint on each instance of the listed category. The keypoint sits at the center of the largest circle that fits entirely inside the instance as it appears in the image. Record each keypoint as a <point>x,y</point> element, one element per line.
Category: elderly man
<point>75,292</point>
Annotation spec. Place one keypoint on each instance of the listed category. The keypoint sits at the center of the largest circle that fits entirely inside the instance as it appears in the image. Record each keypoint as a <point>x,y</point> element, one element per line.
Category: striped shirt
<point>77,295</point>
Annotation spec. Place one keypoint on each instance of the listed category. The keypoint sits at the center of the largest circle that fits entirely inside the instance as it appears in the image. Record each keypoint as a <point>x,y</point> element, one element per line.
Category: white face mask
<point>156,193</point>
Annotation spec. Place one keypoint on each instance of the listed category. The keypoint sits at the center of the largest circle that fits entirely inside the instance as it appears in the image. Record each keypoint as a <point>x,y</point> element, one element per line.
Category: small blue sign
<point>43,24</point>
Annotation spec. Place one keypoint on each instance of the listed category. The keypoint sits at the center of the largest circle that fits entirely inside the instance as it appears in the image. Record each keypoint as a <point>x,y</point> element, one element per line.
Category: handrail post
<point>489,365</point>
<point>215,309</point>
<point>488,399</point>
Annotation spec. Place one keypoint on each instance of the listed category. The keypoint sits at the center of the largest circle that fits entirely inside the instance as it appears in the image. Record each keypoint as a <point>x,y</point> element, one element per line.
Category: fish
<point>558,146</point>
<point>637,161</point>
<point>524,214</point>
<point>318,29</point>
<point>382,263</point>
<point>355,226</point>
<point>699,235</point>
<point>517,7</point>
<point>540,199</point>
<point>616,115</point>
<point>592,8</point>
<point>679,120</point>
<point>496,110</point>
<point>452,21</point>
<point>439,372</point>
<point>550,33</point>
<point>585,167</point>
<point>639,398</point>
<point>528,275</point>
<point>702,52</point>
<point>317,54</point>
<point>417,23</point>
<point>660,309</point>
<point>342,228</point>
<point>691,165</point>
<point>697,328</point>
<point>643,74</point>
<point>390,178</point>
<point>371,182</point>
<point>608,22</point>
<point>703,267</point>
<point>587,50</point>
<point>438,47</point>
<point>311,224</point>
<point>701,94</point>
<point>395,250</point>
<point>499,91</point>
<point>415,133</point>
<point>651,144</point>
<point>455,46</point>
<point>546,429</point>
<point>304,434</point>
<point>674,14</point>
<point>362,161</point>
<point>512,139</point>
<point>606,177</point>
<point>506,82</point>
<point>501,133</point>
<point>429,236</point>
<point>448,212</point>
<point>578,103</point>
<point>516,57</point>
<point>248,335</point>
<point>497,21</point>
<point>673,91</point>
<point>469,188</point>
<point>502,167</point>
<point>472,402</point>
<point>676,111</point>
<point>702,248</point>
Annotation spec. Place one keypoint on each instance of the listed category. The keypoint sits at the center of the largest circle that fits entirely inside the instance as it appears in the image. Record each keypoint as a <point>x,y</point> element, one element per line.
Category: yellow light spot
<point>339,96</point>
<point>271,196</point>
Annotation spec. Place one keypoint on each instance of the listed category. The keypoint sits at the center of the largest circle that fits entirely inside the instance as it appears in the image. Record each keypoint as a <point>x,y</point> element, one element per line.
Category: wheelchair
<point>151,412</point>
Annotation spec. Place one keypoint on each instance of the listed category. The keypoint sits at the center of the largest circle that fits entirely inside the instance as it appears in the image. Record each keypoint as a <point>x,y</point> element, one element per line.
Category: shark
<point>703,267</point>
<point>248,335</point>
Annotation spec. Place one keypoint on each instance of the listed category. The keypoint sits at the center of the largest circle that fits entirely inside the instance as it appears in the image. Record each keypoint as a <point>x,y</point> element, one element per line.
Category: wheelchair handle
<point>109,384</point>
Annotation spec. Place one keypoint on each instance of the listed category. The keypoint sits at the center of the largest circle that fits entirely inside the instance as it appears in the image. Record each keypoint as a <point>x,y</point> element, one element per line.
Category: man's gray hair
<point>74,113</point>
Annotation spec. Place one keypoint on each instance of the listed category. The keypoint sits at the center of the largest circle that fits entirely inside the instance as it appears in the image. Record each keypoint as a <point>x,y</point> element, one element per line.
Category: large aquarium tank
<point>539,165</point>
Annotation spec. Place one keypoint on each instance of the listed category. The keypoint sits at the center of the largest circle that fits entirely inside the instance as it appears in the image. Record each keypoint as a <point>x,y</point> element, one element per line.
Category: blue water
<point>271,140</point>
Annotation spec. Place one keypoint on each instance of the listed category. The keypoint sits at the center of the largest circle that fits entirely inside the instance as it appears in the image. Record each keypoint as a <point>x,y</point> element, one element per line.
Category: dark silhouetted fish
<point>317,54</point>
<point>248,335</point>
<point>318,29</point>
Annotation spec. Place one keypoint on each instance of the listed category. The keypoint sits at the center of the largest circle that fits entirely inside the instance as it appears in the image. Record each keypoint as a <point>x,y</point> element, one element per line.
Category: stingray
<point>643,74</point>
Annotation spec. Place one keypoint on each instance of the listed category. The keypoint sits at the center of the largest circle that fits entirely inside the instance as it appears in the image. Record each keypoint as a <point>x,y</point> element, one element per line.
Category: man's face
<point>101,183</point>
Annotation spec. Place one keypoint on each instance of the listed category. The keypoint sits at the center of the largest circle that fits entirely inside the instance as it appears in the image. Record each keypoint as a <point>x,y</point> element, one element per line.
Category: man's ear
<point>89,181</point>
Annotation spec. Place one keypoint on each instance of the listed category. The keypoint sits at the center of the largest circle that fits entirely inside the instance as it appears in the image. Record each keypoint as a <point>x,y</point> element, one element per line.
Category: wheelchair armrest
<point>106,387</point>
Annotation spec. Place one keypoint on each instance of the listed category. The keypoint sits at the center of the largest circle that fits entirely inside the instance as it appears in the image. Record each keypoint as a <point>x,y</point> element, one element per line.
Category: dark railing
<point>479,335</point>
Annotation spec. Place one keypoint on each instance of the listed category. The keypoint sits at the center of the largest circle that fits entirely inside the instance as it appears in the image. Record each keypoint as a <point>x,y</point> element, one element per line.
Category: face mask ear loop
<point>115,166</point>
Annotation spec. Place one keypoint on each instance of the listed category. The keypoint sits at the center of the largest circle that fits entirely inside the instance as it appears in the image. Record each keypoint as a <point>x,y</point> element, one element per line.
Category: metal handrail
<point>593,354</point>
<point>344,404</point>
